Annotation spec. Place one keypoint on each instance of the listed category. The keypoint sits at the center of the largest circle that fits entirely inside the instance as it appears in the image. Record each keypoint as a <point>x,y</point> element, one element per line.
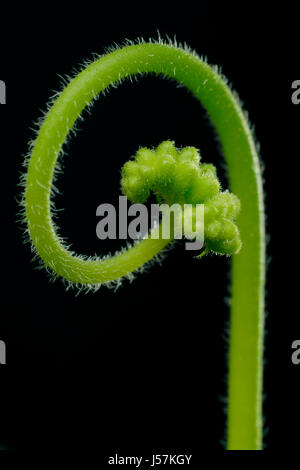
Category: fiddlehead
<point>248,267</point>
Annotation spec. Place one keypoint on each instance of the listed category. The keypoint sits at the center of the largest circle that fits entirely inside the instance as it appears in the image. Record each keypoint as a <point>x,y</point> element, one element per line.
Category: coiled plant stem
<point>248,267</point>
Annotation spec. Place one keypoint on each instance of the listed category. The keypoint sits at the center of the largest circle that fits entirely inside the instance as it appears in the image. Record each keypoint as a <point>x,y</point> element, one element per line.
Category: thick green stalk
<point>248,267</point>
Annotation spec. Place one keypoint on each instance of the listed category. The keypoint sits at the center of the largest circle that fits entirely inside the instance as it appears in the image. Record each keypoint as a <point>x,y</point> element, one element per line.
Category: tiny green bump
<point>148,164</point>
<point>146,157</point>
<point>210,212</point>
<point>223,237</point>
<point>130,168</point>
<point>167,148</point>
<point>189,154</point>
<point>226,204</point>
<point>205,187</point>
<point>213,230</point>
<point>208,169</point>
<point>135,189</point>
<point>185,173</point>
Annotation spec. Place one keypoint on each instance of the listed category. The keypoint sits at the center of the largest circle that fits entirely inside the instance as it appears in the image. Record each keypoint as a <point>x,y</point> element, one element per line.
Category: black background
<point>143,369</point>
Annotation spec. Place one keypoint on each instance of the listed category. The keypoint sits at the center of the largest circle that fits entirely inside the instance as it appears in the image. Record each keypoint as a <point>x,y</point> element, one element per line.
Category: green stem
<point>248,267</point>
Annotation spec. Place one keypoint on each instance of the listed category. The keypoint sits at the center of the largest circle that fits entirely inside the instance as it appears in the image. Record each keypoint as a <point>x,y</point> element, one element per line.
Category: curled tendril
<point>245,428</point>
<point>177,176</point>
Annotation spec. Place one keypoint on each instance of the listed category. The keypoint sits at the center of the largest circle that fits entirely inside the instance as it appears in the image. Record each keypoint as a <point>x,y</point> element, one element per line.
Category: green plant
<point>248,264</point>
